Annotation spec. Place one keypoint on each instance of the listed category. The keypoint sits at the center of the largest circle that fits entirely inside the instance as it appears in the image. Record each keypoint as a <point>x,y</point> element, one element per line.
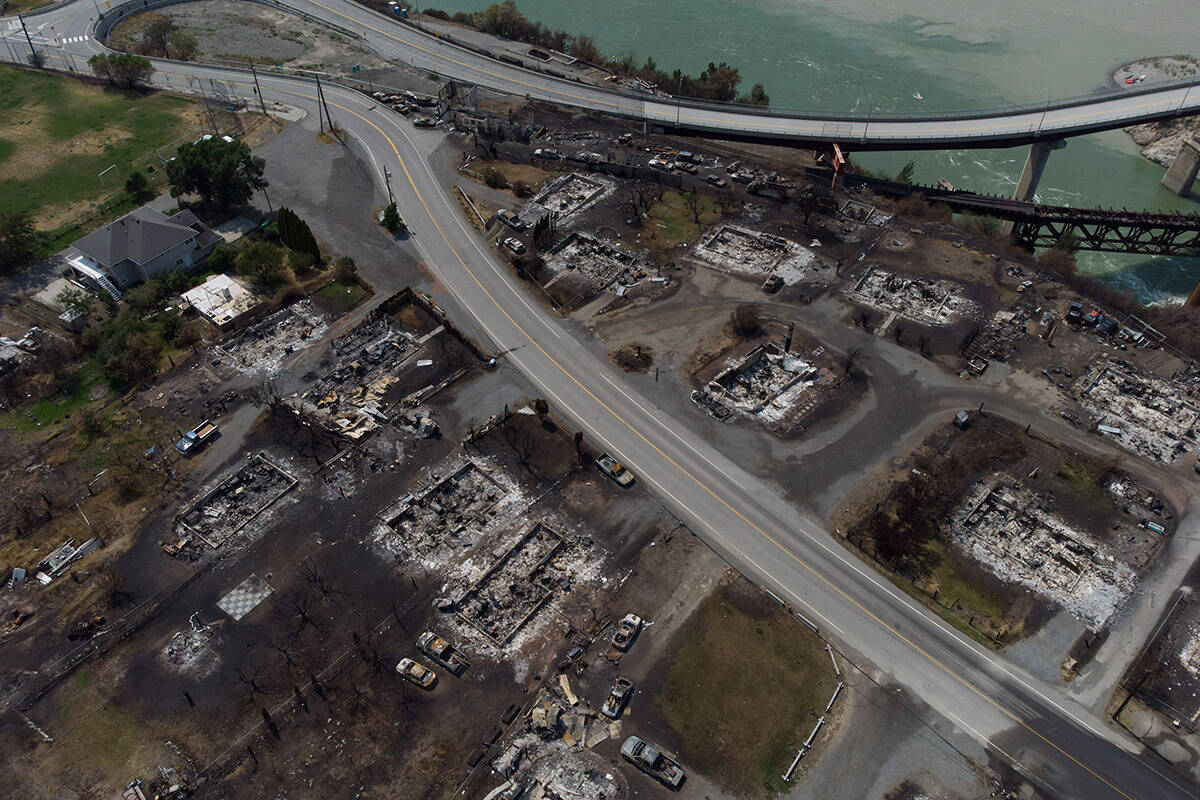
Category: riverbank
<point>1160,141</point>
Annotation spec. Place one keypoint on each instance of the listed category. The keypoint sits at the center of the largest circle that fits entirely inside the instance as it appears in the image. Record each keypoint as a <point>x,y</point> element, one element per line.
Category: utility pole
<point>678,101</point>
<point>320,102</point>
<point>258,88</point>
<point>324,105</point>
<point>387,179</point>
<point>32,52</point>
<point>270,209</point>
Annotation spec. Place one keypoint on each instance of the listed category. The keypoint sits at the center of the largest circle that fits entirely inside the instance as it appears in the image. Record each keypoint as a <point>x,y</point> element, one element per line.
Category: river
<point>929,55</point>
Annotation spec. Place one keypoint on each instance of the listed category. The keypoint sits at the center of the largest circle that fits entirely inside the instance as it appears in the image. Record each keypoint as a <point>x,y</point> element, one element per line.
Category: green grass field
<point>57,135</point>
<point>740,688</point>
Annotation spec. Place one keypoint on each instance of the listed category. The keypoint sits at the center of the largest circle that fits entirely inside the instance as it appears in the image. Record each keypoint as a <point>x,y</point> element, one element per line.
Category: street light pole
<point>387,179</point>
<point>678,101</point>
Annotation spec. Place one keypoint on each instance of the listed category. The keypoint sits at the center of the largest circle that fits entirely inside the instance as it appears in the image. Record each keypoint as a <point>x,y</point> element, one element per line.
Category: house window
<point>178,261</point>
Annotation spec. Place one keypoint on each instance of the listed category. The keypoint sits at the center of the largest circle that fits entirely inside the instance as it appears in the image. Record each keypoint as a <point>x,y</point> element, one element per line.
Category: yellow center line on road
<point>783,127</point>
<point>710,492</point>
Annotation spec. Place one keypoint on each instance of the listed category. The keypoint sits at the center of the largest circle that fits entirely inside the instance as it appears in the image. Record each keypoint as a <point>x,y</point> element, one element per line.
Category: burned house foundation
<point>1013,534</point>
<point>227,508</point>
<point>745,251</point>
<point>925,301</point>
<point>514,588</point>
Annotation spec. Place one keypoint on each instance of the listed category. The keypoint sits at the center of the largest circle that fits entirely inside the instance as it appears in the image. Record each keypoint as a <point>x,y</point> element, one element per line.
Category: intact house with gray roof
<point>139,246</point>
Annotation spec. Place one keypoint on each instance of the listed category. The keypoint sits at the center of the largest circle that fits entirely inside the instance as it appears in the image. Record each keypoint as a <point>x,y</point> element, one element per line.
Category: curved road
<point>399,41</point>
<point>1053,740</point>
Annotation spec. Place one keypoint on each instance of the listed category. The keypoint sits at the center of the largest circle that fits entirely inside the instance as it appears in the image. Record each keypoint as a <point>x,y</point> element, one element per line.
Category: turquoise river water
<point>930,55</point>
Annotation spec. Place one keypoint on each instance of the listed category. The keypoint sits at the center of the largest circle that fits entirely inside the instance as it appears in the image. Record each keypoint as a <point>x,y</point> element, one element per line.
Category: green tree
<point>156,36</point>
<point>121,69</point>
<point>182,46</point>
<point>18,240</point>
<point>223,173</point>
<point>345,270</point>
<point>392,221</point>
<point>720,81</point>
<point>295,233</point>
<point>72,299</point>
<point>905,175</point>
<point>137,185</point>
<point>758,96</point>
<point>263,262</point>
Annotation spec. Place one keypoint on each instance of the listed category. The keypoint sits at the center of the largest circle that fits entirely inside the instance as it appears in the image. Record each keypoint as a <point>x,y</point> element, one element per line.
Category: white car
<point>416,673</point>
<point>626,632</point>
<point>515,246</point>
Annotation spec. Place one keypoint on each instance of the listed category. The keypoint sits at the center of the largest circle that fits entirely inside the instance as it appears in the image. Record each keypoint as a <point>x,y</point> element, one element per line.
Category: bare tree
<point>320,580</point>
<point>299,606</point>
<point>851,358</point>
<point>638,198</point>
<point>267,394</point>
<point>519,441</point>
<point>249,674</point>
<point>696,204</point>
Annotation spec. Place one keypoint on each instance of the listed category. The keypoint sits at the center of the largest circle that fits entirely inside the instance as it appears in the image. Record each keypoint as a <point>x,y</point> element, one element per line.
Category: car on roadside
<point>743,177</point>
<point>658,163</point>
<point>618,698</point>
<point>684,166</point>
<point>1074,312</point>
<point>627,630</point>
<point>614,469</point>
<point>690,158</point>
<point>716,180</point>
<point>652,761</point>
<point>416,673</point>
<point>514,245</point>
<point>1093,317</point>
<point>424,122</point>
<point>548,153</point>
<point>772,284</point>
<point>510,219</point>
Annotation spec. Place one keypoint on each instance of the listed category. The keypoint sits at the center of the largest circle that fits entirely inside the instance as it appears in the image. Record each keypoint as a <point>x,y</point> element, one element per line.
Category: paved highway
<point>1056,742</point>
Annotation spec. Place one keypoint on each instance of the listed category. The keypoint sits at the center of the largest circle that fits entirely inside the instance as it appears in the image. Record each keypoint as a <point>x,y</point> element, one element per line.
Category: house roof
<point>139,236</point>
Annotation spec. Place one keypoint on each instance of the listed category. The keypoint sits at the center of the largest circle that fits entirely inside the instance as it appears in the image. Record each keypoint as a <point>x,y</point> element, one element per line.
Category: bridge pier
<point>1035,164</point>
<point>1182,172</point>
<point>1031,176</point>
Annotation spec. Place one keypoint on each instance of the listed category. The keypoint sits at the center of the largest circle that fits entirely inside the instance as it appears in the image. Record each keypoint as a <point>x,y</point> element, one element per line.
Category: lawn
<point>534,176</point>
<point>740,688</point>
<point>672,222</point>
<point>57,407</point>
<point>57,135</point>
<point>342,297</point>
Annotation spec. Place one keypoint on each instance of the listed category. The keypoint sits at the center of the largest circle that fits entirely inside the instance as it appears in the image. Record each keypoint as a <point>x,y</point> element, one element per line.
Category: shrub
<point>745,321</point>
<point>494,178</point>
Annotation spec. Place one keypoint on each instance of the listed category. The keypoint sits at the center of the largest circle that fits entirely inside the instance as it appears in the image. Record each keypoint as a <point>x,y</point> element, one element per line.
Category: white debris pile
<point>551,769</point>
<point>262,347</point>
<point>449,513</point>
<point>572,193</point>
<point>768,384</point>
<point>923,300</point>
<point>190,650</point>
<point>756,253</point>
<point>1189,654</point>
<point>600,262</point>
<point>348,397</point>
<point>1004,526</point>
<point>1143,412</point>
